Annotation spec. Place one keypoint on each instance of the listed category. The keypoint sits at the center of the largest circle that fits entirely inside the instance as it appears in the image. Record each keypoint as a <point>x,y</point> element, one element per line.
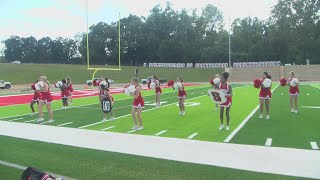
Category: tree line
<point>291,35</point>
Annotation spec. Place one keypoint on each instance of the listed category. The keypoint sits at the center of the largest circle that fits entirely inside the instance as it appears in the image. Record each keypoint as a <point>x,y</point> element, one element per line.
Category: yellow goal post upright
<point>95,70</point>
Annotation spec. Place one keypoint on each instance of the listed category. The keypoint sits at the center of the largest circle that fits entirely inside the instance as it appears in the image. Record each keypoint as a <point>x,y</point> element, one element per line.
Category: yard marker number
<point>15,119</point>
<point>268,142</point>
<point>161,132</point>
<point>314,145</point>
<point>64,124</point>
<point>192,136</point>
<point>108,128</point>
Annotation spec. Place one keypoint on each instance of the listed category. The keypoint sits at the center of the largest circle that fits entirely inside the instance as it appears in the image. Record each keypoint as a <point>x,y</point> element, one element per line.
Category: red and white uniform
<point>70,88</point>
<point>138,102</point>
<point>225,88</point>
<point>294,91</point>
<point>265,93</point>
<point>65,93</point>
<point>46,96</point>
<point>182,93</point>
<point>36,94</point>
<point>158,89</point>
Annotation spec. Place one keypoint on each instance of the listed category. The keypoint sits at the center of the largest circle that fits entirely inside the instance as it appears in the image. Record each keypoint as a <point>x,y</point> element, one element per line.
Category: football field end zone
<point>235,131</point>
<point>20,167</point>
<point>275,160</point>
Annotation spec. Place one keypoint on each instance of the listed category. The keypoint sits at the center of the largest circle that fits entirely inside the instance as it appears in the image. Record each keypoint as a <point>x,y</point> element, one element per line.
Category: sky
<point>66,18</point>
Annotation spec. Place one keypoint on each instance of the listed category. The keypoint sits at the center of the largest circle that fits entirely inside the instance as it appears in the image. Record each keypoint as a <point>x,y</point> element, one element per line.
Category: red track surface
<point>26,98</point>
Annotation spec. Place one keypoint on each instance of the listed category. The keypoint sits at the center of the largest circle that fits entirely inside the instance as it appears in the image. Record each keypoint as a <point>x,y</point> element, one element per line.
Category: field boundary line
<point>15,119</point>
<point>64,124</point>
<point>268,142</point>
<point>161,132</point>
<point>314,145</point>
<point>192,136</point>
<point>17,166</point>
<point>108,128</point>
<point>234,132</point>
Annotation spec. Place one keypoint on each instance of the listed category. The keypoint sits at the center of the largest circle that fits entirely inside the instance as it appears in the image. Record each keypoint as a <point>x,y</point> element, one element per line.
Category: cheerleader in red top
<point>65,94</point>
<point>265,95</point>
<point>158,91</point>
<point>45,99</point>
<point>138,105</point>
<point>35,99</point>
<point>70,89</point>
<point>294,91</point>
<point>181,95</point>
<point>227,89</point>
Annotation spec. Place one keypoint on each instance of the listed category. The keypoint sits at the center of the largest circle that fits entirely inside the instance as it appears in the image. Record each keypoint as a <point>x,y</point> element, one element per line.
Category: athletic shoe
<point>292,110</point>
<point>221,127</point>
<point>180,113</point>
<point>134,127</point>
<point>50,121</point>
<point>296,111</point>
<point>64,107</point>
<point>40,119</point>
<point>227,128</point>
<point>183,113</point>
<point>32,114</point>
<point>267,116</point>
<point>261,116</point>
<point>112,118</point>
<point>140,128</point>
<point>104,120</point>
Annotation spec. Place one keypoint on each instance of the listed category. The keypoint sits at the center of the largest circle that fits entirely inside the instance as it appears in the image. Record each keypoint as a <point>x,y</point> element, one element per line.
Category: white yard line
<point>15,119</point>
<point>275,160</point>
<point>234,132</point>
<point>64,124</point>
<point>142,112</point>
<point>192,136</point>
<point>46,122</point>
<point>268,142</point>
<point>133,130</point>
<point>108,128</point>
<point>17,166</point>
<point>314,145</point>
<point>161,132</point>
<point>310,107</point>
<point>30,120</point>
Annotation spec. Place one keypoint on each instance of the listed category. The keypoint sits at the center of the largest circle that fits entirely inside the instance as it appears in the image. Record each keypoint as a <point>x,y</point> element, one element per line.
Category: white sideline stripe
<point>192,136</point>
<point>268,142</point>
<point>161,132</point>
<point>314,145</point>
<point>108,128</point>
<point>142,112</point>
<point>234,132</point>
<point>17,166</point>
<point>131,131</point>
<point>311,107</point>
<point>65,124</point>
<point>30,120</point>
<point>15,119</point>
<point>46,122</point>
<point>275,160</point>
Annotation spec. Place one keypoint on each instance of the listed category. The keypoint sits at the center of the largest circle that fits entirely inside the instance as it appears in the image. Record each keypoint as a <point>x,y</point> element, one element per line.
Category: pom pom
<point>170,83</point>
<point>257,83</point>
<point>283,82</point>
<point>211,82</point>
<point>33,86</point>
<point>58,84</point>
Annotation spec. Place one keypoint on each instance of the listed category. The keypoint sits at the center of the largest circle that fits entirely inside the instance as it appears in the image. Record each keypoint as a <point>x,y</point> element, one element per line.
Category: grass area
<point>27,73</point>
<point>84,163</point>
<point>285,128</point>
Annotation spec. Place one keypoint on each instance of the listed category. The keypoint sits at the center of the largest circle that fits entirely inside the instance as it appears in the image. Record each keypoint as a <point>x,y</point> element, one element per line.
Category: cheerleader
<point>35,99</point>
<point>65,93</point>
<point>138,104</point>
<point>227,89</point>
<point>106,98</point>
<point>265,94</point>
<point>294,91</point>
<point>45,99</point>
<point>215,85</point>
<point>70,89</point>
<point>158,91</point>
<point>181,95</point>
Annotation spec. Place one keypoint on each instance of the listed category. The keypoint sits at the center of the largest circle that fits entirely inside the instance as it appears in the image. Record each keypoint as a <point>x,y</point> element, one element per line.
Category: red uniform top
<point>36,94</point>
<point>65,93</point>
<point>158,89</point>
<point>182,93</point>
<point>138,102</point>
<point>46,96</point>
<point>293,90</point>
<point>265,93</point>
<point>225,88</point>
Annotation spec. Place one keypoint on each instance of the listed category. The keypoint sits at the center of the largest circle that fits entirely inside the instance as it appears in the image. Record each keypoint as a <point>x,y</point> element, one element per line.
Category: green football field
<point>284,128</point>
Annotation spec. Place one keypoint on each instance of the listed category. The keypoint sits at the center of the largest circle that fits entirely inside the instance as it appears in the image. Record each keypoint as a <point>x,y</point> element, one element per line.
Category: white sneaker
<point>50,121</point>
<point>140,128</point>
<point>112,118</point>
<point>292,110</point>
<point>261,116</point>
<point>227,128</point>
<point>180,113</point>
<point>104,120</point>
<point>32,114</point>
<point>40,119</point>
<point>296,111</point>
<point>63,107</point>
<point>134,127</point>
<point>221,126</point>
<point>183,113</point>
<point>267,116</point>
